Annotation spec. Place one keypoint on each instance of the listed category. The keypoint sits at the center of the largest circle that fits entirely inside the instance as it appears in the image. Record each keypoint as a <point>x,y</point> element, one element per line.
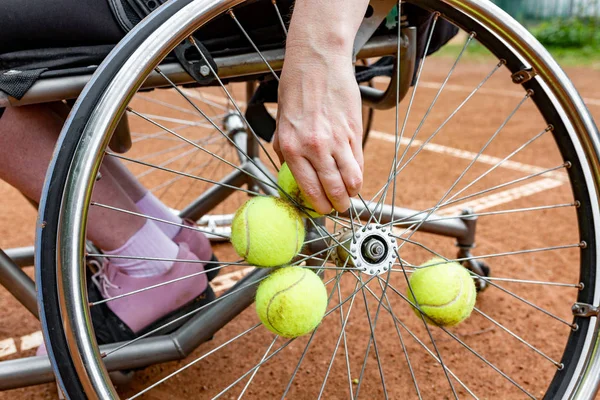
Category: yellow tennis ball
<point>267,232</point>
<point>444,291</point>
<point>287,182</point>
<point>291,302</point>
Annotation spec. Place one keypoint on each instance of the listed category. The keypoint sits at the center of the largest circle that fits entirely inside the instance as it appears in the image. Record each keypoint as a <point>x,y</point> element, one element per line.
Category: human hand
<point>319,126</point>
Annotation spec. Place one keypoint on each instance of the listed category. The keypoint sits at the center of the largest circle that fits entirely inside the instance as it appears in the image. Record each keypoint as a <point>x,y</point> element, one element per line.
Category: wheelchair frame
<point>147,351</point>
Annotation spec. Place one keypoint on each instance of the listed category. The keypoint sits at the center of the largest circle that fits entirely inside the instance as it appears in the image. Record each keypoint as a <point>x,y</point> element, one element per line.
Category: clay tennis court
<point>428,177</point>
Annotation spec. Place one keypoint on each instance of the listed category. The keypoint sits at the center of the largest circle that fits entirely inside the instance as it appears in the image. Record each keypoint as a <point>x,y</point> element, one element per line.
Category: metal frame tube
<point>26,371</point>
<point>56,89</point>
<point>262,172</point>
<point>214,196</point>
<point>448,227</point>
<point>18,283</point>
<point>22,256</point>
<point>148,351</point>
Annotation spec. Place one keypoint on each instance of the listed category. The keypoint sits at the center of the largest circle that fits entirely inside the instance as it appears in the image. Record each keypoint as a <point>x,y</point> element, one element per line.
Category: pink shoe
<point>140,310</point>
<point>198,244</point>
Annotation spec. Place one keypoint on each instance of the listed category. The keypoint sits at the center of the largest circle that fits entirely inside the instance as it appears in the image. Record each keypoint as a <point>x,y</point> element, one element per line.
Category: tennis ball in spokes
<point>291,302</point>
<point>444,291</point>
<point>267,232</point>
<point>287,182</point>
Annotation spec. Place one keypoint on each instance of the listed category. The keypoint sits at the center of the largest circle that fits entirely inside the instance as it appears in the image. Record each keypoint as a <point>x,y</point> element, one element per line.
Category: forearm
<point>325,26</point>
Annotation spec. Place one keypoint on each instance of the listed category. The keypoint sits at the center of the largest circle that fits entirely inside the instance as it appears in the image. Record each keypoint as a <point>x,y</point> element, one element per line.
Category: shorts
<point>39,24</point>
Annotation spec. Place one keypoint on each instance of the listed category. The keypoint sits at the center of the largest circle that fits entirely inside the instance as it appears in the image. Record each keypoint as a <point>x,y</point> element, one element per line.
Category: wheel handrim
<point>76,254</point>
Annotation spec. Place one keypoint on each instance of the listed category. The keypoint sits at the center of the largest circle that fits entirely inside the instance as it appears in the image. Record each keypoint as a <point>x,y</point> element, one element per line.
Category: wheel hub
<point>371,249</point>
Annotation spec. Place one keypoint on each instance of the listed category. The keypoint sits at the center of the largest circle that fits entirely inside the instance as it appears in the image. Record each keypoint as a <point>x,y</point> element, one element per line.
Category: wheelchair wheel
<point>530,205</point>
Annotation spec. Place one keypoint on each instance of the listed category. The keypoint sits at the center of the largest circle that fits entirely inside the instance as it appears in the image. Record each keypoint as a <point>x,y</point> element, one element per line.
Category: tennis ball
<point>287,182</point>
<point>444,291</point>
<point>291,302</point>
<point>267,232</point>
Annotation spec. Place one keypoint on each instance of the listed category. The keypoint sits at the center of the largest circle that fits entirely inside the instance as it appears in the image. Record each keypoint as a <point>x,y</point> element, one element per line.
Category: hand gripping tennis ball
<point>444,291</point>
<point>291,302</point>
<point>267,232</point>
<point>287,182</point>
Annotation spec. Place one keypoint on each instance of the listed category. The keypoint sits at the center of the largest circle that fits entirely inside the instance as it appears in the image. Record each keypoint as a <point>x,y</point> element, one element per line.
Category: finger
<point>276,147</point>
<point>309,184</point>
<point>350,171</point>
<point>332,183</point>
<point>357,151</point>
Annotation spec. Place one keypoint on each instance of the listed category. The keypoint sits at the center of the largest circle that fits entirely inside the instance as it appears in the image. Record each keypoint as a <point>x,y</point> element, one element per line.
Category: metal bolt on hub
<point>370,249</point>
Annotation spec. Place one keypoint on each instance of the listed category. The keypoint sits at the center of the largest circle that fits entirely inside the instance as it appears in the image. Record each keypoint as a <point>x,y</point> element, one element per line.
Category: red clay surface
<point>420,186</point>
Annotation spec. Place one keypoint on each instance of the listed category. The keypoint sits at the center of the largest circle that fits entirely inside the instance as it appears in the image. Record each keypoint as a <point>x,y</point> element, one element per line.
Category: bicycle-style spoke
<point>435,208</point>
<point>204,141</point>
<point>237,108</point>
<point>168,105</point>
<point>310,339</point>
<point>349,298</point>
<point>462,343</point>
<point>422,316</point>
<point>256,370</point>
<point>427,113</point>
<point>342,335</point>
<point>223,265</point>
<point>194,362</point>
<point>217,268</point>
<point>164,221</point>
<point>578,286</point>
<point>402,344</point>
<point>372,339</point>
<point>488,213</point>
<point>479,193</point>
<point>212,174</point>
<point>520,339</point>
<point>184,174</point>
<point>199,95</point>
<point>399,169</point>
<point>192,143</point>
<point>346,357</point>
<point>253,45</point>
<point>465,170</point>
<point>502,161</point>
<point>191,153</point>
<point>279,17</point>
<point>423,345</point>
<point>397,139</point>
<point>532,282</point>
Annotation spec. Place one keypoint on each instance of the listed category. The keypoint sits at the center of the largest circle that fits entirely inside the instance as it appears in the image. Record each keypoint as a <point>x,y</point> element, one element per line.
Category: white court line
<point>496,199</point>
<point>590,101</point>
<point>32,341</point>
<point>469,155</point>
<point>7,347</point>
<point>224,282</point>
<point>503,197</point>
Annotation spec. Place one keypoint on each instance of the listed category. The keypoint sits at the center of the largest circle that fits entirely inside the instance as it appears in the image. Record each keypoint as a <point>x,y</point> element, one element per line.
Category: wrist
<point>326,41</point>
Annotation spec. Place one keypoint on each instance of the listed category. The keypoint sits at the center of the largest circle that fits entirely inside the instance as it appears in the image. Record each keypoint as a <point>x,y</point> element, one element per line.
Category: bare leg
<point>148,204</point>
<point>27,138</point>
<point>134,189</point>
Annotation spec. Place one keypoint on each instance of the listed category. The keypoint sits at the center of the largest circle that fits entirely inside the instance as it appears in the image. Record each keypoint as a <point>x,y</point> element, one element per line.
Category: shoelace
<point>101,280</point>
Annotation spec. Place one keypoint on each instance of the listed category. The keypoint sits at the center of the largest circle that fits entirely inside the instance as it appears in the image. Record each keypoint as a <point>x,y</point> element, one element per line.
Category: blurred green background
<point>569,29</point>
